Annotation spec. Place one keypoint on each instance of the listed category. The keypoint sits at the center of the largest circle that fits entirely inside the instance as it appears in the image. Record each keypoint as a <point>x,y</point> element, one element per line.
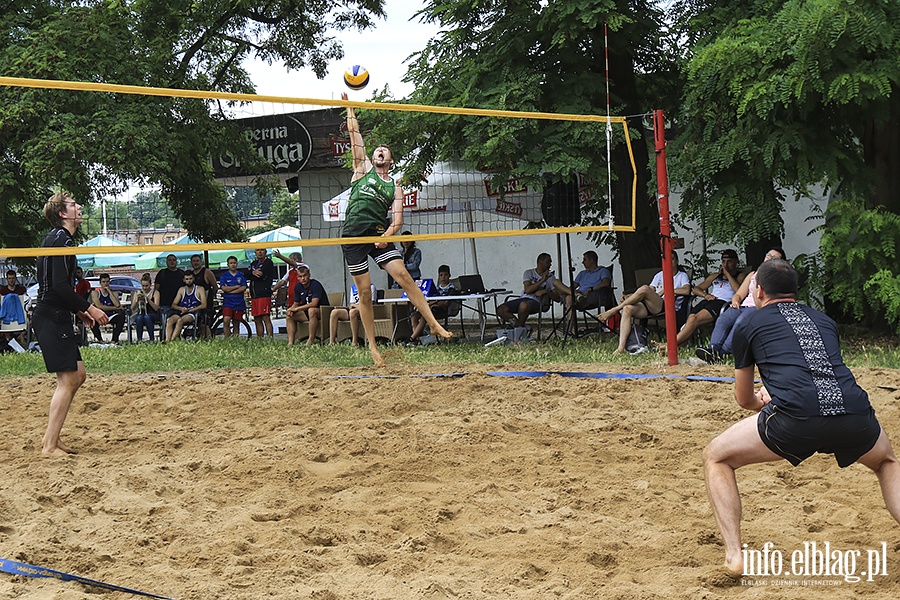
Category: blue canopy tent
<point>219,258</point>
<point>100,261</point>
<point>282,234</point>
<point>157,260</point>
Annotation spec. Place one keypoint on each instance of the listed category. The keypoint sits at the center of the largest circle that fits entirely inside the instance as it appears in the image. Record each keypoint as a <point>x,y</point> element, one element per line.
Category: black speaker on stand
<point>560,206</point>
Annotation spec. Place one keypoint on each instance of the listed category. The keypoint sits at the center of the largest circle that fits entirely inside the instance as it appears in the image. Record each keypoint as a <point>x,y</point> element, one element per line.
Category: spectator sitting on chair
<point>233,285</point>
<point>167,282</point>
<point>412,260</point>
<point>348,313</point>
<point>309,296</point>
<point>107,300</point>
<point>592,287</point>
<point>14,287</point>
<point>741,308</point>
<point>541,287</point>
<point>647,301</point>
<point>438,307</point>
<point>189,301</point>
<point>717,290</point>
<point>206,279</point>
<point>145,308</point>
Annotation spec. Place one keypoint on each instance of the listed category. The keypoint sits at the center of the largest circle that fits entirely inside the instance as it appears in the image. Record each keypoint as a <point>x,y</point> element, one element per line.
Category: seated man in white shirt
<point>647,301</point>
<point>539,288</point>
<point>717,290</point>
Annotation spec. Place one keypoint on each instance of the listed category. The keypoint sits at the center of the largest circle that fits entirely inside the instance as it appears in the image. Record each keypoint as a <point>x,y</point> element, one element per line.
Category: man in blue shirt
<point>592,287</point>
<point>233,284</point>
<point>809,402</point>
<point>309,296</point>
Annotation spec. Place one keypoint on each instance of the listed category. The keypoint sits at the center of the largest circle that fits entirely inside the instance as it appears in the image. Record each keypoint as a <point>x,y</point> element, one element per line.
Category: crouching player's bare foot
<point>733,566</point>
<point>57,453</point>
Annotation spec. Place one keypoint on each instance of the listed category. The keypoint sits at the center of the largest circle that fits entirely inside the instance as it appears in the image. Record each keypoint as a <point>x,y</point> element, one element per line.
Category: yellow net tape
<point>212,95</point>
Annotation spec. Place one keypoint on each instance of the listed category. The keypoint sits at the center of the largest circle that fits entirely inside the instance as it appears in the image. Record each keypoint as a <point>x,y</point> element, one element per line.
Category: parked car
<point>118,283</point>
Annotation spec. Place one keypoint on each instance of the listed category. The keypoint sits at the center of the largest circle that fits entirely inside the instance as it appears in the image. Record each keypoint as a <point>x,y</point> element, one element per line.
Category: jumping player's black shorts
<point>357,256</point>
<point>846,436</point>
<point>56,336</point>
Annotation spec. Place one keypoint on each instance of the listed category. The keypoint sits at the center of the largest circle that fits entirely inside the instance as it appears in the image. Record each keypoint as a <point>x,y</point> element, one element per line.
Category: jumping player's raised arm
<point>361,163</point>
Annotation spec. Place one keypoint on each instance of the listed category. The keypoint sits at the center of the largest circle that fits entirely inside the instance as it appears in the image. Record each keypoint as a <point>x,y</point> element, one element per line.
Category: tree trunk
<point>881,143</point>
<point>641,249</point>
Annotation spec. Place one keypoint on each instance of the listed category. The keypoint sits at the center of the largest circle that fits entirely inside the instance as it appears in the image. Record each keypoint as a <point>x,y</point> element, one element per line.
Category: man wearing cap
<point>716,291</point>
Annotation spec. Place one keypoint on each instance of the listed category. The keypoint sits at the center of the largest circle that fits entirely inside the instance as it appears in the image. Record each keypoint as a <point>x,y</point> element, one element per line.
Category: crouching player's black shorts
<point>848,437</point>
<point>56,336</point>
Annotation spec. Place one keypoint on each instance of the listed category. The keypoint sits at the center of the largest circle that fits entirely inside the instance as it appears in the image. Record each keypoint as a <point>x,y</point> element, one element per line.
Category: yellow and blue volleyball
<point>356,77</point>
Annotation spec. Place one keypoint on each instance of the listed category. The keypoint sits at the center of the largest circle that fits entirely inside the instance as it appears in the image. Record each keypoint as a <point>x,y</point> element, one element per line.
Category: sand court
<point>304,483</point>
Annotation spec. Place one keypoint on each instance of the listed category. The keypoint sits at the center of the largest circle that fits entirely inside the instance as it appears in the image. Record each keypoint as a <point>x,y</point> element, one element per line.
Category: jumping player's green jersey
<point>371,198</point>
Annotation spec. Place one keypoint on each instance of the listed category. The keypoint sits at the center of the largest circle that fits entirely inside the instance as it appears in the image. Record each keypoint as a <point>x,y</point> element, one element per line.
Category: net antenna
<point>608,131</point>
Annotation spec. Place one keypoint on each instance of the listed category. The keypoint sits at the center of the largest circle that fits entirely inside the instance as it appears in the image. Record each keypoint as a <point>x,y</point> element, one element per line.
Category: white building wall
<point>501,260</point>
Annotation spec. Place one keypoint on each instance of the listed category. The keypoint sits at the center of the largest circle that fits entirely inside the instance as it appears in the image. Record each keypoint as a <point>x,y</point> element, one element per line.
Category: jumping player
<point>374,193</point>
<point>52,318</point>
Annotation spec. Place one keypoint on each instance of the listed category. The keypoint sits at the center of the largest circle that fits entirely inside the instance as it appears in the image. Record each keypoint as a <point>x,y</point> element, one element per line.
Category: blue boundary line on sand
<point>608,375</point>
<point>577,374</point>
<point>19,568</point>
<point>398,376</point>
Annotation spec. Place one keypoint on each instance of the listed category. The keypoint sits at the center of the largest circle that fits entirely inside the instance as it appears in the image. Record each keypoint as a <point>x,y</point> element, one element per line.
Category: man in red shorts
<point>260,276</point>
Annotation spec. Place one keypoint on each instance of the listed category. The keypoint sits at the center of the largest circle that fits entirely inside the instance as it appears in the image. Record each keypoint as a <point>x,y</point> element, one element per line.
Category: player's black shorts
<point>56,336</point>
<point>846,436</point>
<point>357,256</point>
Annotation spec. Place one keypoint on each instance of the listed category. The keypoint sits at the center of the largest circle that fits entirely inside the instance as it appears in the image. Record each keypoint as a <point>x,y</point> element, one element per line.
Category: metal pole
<point>665,234</point>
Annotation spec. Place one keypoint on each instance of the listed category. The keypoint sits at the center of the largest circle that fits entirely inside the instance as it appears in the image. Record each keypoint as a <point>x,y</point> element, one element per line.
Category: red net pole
<point>665,234</point>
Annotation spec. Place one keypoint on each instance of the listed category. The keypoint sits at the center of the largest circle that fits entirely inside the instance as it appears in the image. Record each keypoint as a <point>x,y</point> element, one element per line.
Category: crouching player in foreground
<point>809,402</point>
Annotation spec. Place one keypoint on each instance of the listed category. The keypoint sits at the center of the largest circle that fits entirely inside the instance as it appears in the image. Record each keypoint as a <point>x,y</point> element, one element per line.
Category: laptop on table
<point>471,284</point>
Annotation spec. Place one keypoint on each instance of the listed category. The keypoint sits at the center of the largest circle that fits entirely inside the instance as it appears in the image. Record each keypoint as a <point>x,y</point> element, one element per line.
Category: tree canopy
<point>792,95</point>
<point>93,143</point>
<point>537,56</point>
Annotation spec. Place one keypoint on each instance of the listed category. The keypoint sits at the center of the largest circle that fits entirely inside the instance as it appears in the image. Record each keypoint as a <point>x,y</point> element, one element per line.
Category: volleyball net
<point>305,145</point>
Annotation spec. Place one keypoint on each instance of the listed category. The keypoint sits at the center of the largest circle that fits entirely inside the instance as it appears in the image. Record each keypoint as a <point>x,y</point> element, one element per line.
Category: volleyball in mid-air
<point>356,77</point>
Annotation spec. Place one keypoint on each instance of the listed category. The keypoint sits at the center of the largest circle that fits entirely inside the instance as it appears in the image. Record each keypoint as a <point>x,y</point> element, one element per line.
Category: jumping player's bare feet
<point>376,357</point>
<point>441,332</point>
